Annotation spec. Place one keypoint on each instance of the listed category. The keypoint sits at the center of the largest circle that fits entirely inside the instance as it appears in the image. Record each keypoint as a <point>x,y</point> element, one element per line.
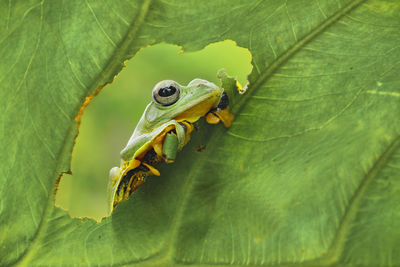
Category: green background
<point>110,118</point>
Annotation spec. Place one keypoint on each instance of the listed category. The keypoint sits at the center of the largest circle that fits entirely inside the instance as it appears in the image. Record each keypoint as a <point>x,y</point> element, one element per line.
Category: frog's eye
<point>166,92</point>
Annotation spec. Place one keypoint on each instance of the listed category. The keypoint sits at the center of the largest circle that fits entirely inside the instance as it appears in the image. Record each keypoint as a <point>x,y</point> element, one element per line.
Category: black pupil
<point>167,91</point>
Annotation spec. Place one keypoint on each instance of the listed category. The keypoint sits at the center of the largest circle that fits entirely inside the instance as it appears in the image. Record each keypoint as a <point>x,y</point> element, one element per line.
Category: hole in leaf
<point>111,117</point>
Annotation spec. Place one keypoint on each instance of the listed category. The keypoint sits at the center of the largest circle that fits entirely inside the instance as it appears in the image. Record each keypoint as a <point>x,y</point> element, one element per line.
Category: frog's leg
<point>167,144</point>
<point>174,141</point>
<point>170,147</point>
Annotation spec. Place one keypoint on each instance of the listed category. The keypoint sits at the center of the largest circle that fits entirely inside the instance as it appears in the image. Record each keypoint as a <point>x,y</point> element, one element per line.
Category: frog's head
<point>174,101</point>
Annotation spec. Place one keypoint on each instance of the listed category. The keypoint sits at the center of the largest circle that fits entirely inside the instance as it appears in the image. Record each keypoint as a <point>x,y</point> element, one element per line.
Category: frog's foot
<point>143,165</point>
<point>136,183</point>
<point>128,185</point>
<point>221,113</point>
<point>214,117</point>
<point>132,179</point>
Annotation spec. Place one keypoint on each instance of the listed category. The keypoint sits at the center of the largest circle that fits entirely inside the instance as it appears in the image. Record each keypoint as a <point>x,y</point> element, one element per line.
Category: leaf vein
<point>268,72</point>
<point>65,49</point>
<point>291,22</point>
<point>320,9</point>
<point>8,14</point>
<point>99,24</point>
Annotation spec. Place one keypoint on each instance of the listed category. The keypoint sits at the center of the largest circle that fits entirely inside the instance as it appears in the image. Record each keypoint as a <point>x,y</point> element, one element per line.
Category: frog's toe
<point>114,173</point>
<point>225,116</point>
<point>212,118</point>
<point>153,170</point>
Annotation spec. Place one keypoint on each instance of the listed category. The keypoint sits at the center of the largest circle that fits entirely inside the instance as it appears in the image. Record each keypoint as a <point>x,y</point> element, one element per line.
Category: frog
<point>164,129</point>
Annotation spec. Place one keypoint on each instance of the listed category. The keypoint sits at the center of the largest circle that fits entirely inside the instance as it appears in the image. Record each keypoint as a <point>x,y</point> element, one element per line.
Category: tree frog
<point>164,129</point>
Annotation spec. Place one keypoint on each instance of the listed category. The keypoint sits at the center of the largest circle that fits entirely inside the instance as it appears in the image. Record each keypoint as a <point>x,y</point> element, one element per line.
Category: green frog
<point>164,129</point>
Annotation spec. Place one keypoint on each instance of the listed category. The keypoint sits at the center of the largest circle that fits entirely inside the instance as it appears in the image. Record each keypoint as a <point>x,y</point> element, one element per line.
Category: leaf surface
<point>308,173</point>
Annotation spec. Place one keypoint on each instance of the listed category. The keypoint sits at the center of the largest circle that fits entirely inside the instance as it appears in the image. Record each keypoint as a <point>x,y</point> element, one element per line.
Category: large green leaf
<point>308,173</point>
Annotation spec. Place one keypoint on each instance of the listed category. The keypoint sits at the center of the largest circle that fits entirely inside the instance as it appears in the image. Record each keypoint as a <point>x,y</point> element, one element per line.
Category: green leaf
<point>308,174</point>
